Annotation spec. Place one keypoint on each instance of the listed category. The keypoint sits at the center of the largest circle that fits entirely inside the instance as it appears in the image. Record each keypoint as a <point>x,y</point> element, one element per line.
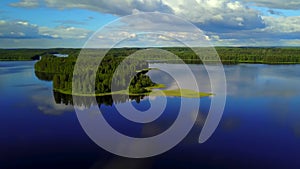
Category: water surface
<point>260,126</point>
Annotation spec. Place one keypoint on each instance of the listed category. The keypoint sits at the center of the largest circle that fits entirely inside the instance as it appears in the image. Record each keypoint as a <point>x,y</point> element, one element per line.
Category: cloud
<point>26,30</point>
<point>279,31</point>
<point>218,14</point>
<point>283,24</point>
<point>26,3</point>
<point>116,7</point>
<point>91,18</point>
<point>278,4</point>
<point>18,30</point>
<point>225,22</point>
<point>70,22</point>
<point>65,32</point>
<point>150,29</point>
<point>273,12</point>
<point>14,34</point>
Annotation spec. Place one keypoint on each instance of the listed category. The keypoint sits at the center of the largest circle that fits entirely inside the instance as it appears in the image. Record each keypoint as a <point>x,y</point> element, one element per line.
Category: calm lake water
<point>260,127</point>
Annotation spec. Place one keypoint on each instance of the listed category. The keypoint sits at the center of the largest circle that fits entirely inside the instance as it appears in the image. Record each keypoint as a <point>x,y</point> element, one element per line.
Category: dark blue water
<point>260,126</point>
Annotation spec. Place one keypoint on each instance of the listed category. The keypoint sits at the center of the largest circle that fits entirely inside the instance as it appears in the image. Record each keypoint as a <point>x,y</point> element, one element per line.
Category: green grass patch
<point>187,93</point>
<point>157,86</point>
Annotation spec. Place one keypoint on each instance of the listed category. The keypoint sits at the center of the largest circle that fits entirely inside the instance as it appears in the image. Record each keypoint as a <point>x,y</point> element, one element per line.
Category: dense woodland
<point>232,55</point>
<point>32,54</point>
<point>260,55</point>
<point>61,70</point>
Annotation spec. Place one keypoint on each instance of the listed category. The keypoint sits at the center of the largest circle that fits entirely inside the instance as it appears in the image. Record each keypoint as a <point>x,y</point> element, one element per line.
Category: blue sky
<point>70,23</point>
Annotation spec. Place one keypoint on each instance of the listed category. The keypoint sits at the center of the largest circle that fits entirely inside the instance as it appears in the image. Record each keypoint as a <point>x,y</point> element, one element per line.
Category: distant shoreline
<point>227,55</point>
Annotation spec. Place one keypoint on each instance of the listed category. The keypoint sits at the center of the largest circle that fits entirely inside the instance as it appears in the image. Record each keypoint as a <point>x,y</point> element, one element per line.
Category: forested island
<point>60,70</point>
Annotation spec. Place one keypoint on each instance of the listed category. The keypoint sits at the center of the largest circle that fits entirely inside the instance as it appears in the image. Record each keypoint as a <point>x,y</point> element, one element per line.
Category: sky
<point>70,23</point>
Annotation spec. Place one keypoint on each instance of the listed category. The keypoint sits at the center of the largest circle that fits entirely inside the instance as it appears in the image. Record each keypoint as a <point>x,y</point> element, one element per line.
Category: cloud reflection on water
<point>48,106</point>
<point>244,80</point>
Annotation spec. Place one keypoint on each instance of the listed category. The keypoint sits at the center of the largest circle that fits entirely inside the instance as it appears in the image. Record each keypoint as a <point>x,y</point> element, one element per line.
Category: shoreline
<point>186,93</point>
<point>174,61</point>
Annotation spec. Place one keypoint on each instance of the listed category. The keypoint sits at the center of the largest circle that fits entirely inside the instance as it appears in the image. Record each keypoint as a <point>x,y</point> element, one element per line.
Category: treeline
<point>231,55</point>
<point>61,69</point>
<point>260,55</point>
<point>235,55</point>
<point>20,54</point>
<point>33,54</point>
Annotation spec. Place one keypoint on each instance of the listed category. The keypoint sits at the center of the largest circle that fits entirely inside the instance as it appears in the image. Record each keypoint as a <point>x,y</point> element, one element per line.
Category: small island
<point>60,71</point>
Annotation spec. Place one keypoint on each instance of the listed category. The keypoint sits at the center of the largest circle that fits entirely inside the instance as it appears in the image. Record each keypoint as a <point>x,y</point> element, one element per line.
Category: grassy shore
<point>187,93</point>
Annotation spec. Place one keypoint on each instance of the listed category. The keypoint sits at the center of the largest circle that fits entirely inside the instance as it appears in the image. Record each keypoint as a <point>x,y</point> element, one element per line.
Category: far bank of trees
<point>260,55</point>
<point>231,55</point>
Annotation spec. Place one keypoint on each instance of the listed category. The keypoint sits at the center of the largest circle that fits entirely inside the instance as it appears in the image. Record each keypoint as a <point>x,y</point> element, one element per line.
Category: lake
<point>259,129</point>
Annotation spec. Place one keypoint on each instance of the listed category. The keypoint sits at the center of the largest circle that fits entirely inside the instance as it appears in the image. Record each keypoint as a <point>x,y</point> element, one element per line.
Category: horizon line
<point>136,47</point>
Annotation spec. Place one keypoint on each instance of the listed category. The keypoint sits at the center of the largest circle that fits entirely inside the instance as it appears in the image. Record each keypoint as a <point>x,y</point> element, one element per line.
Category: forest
<point>228,55</point>
<point>33,54</point>
<point>60,70</point>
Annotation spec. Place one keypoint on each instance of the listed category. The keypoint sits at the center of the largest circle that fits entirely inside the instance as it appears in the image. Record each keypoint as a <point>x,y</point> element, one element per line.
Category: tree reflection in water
<point>88,101</point>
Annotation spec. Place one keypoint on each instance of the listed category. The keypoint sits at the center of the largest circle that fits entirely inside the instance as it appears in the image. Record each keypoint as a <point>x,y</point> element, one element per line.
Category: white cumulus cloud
<point>18,29</point>
<point>226,22</point>
<point>278,4</point>
<point>65,32</point>
<point>26,3</point>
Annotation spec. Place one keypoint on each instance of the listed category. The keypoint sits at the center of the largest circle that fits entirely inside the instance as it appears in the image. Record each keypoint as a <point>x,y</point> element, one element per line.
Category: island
<point>60,70</point>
